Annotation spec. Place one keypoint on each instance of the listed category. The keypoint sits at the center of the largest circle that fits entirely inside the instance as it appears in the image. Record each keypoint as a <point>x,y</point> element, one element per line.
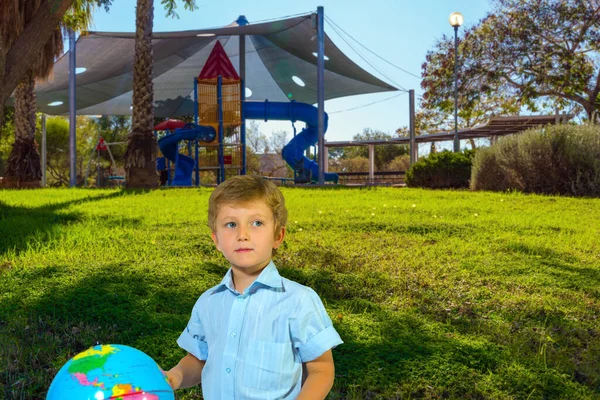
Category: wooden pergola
<point>493,128</point>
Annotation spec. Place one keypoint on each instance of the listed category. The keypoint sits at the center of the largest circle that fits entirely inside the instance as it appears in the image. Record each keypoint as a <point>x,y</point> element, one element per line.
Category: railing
<point>281,181</point>
<point>379,177</point>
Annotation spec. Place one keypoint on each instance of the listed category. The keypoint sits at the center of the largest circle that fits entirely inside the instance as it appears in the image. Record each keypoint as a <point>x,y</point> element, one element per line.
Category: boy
<point>253,335</point>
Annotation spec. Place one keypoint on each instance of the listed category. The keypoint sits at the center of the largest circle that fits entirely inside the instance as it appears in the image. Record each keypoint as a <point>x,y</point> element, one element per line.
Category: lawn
<point>436,294</point>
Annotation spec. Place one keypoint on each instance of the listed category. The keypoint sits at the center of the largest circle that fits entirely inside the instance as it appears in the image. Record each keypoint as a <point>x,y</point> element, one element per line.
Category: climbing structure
<point>218,99</point>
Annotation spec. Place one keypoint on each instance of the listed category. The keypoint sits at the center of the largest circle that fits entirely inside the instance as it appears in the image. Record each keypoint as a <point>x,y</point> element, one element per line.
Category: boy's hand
<point>174,378</point>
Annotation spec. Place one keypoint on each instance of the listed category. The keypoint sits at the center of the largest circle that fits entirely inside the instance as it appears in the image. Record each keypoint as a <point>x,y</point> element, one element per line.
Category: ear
<point>215,240</point>
<point>279,238</point>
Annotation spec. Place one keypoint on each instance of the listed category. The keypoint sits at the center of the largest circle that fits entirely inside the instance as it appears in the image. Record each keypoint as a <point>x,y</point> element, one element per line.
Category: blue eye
<point>257,223</point>
<point>230,225</point>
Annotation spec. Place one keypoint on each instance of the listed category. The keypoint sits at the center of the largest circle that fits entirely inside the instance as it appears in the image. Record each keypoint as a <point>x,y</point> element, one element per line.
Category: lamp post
<point>456,20</point>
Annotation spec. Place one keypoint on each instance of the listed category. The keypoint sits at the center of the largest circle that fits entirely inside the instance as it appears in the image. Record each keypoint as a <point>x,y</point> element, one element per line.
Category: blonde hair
<point>243,189</point>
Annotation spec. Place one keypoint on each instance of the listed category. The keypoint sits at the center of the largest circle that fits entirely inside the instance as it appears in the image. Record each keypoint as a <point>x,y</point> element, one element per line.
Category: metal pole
<point>44,160</point>
<point>371,163</point>
<point>72,113</point>
<point>221,173</point>
<point>242,115</point>
<point>456,139</point>
<point>411,125</point>
<point>321,90</point>
<point>197,163</point>
<point>242,21</point>
<point>196,122</point>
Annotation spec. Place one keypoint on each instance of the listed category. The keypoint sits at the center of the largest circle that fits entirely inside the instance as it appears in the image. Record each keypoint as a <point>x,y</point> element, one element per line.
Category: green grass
<point>436,294</point>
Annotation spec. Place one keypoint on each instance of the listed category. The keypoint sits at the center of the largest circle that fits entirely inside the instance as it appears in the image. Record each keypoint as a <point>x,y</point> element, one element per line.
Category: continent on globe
<point>110,372</point>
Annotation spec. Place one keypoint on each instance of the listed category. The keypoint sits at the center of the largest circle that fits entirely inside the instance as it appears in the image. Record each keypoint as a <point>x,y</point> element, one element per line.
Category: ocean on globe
<point>110,371</point>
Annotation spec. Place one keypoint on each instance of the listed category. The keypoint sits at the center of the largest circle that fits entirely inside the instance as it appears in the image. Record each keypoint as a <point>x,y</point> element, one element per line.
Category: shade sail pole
<point>72,113</point>
<point>242,21</point>
<point>44,160</point>
<point>411,112</point>
<point>321,90</point>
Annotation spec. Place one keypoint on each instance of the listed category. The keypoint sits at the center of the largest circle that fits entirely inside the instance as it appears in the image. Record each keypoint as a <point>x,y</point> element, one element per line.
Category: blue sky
<point>400,31</point>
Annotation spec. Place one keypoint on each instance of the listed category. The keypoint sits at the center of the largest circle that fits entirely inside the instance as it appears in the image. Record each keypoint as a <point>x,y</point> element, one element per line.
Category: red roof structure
<point>169,124</point>
<point>218,63</point>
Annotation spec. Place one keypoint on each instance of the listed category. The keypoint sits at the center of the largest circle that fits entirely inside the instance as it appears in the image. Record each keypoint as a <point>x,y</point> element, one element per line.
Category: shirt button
<point>228,370</point>
<point>240,298</point>
<point>233,334</point>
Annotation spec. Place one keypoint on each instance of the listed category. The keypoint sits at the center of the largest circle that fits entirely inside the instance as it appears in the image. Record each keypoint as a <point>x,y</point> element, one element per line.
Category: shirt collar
<point>268,278</point>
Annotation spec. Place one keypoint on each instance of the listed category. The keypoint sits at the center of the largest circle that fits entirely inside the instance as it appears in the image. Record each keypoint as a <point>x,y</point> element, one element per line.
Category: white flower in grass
<point>347,210</point>
<point>320,212</point>
<point>372,214</point>
<point>295,222</point>
<point>435,216</point>
<point>414,205</point>
<point>476,214</point>
<point>299,229</point>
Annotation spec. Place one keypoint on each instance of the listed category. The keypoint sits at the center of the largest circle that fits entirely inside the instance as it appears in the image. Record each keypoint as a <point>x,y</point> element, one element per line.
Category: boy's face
<point>246,235</point>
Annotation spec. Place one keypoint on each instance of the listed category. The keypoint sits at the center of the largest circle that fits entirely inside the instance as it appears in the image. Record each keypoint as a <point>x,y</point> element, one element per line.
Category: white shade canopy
<point>279,54</point>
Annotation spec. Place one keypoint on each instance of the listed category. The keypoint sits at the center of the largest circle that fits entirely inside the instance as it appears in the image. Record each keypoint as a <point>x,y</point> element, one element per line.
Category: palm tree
<point>140,156</point>
<point>23,167</point>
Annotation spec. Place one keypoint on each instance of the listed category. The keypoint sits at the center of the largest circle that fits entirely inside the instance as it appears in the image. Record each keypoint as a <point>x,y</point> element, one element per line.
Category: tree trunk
<point>24,168</point>
<point>140,156</point>
<point>473,145</point>
<point>28,46</point>
<point>2,73</point>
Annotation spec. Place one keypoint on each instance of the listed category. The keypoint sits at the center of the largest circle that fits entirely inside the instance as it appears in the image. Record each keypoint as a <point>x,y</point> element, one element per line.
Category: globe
<point>110,371</point>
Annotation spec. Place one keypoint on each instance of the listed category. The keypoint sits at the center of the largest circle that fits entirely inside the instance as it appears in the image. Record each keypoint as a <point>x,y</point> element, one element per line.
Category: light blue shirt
<point>254,344</point>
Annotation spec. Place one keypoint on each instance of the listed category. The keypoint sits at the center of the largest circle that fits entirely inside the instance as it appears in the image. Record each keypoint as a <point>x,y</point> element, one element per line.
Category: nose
<point>242,234</point>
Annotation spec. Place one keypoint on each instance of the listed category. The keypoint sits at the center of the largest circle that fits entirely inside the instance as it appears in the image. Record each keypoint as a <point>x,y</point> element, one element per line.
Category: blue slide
<point>184,165</point>
<point>293,152</point>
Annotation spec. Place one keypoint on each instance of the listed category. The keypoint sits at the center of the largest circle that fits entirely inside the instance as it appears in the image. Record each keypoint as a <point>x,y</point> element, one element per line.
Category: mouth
<point>243,250</point>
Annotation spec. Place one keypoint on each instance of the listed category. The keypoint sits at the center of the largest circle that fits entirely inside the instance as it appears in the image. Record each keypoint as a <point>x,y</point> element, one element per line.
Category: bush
<point>355,164</point>
<point>400,163</point>
<point>562,159</point>
<point>445,170</point>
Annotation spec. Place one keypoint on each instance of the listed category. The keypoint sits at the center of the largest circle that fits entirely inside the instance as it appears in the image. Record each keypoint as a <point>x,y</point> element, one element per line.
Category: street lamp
<point>456,20</point>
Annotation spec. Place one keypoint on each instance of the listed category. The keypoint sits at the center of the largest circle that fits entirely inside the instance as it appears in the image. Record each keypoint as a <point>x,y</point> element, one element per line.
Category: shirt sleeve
<point>311,328</point>
<point>193,339</point>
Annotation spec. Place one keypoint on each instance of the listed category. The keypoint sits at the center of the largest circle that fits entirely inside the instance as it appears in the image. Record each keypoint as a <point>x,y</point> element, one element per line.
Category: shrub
<point>443,170</point>
<point>562,159</point>
<point>400,163</point>
<point>489,174</point>
<point>355,164</point>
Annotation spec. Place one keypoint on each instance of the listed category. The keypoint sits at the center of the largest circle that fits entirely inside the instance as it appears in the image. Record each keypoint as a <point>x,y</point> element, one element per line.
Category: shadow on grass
<point>443,230</point>
<point>563,266</point>
<point>112,303</point>
<point>22,226</point>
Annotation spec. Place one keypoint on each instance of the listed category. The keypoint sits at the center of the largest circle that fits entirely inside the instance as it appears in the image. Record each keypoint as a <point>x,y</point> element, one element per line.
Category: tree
<point>24,161</point>
<point>140,156</point>
<point>22,40</point>
<point>277,141</point>
<point>256,141</point>
<point>537,54</point>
